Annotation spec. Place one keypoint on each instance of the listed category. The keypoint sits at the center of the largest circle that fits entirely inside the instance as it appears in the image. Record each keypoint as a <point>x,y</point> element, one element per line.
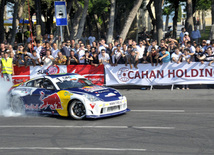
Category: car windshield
<point>76,83</point>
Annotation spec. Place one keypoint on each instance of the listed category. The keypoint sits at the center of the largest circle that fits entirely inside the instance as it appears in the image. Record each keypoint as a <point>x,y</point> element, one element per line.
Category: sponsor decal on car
<point>31,107</point>
<point>53,101</point>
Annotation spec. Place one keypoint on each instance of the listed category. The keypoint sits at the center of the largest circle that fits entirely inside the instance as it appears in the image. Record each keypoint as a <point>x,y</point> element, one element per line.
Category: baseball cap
<point>186,33</point>
<point>208,41</point>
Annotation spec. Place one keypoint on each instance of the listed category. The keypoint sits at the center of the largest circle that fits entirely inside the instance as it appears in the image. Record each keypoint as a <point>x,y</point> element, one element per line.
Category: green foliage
<point>203,4</point>
<point>98,6</point>
<point>167,10</point>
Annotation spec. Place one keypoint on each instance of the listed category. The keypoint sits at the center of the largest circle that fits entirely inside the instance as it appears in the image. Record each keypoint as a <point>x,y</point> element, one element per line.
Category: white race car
<point>66,95</point>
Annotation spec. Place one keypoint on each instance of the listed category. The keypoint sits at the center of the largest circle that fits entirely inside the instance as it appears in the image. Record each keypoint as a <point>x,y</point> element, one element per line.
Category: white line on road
<point>70,148</point>
<point>160,111</point>
<point>96,127</point>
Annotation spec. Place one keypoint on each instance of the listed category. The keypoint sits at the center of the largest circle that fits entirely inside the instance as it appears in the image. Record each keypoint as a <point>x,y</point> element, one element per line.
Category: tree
<point>159,18</point>
<point>111,22</point>
<point>212,29</point>
<point>17,13</point>
<point>175,18</point>
<point>189,20</point>
<point>2,5</point>
<point>130,19</point>
<point>82,21</point>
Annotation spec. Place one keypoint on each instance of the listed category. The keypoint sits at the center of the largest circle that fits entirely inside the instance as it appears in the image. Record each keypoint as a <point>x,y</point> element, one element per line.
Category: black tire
<point>77,110</point>
<point>17,105</point>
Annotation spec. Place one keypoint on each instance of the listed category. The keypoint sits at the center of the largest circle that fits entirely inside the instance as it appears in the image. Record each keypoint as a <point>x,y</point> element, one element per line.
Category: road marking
<point>161,111</point>
<point>70,148</point>
<point>151,127</point>
<point>96,127</point>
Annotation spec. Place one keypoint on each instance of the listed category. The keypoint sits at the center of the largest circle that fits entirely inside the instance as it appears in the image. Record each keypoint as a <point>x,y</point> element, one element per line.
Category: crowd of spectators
<point>89,51</point>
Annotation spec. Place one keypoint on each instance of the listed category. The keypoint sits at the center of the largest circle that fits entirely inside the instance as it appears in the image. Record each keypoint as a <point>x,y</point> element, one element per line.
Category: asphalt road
<point>161,122</point>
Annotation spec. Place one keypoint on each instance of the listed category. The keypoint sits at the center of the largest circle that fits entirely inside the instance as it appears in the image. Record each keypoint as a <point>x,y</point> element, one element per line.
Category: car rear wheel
<point>77,110</point>
<point>17,105</point>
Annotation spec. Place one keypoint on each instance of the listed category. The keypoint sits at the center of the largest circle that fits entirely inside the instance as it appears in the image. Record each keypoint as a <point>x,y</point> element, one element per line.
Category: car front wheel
<point>77,110</point>
<point>17,105</point>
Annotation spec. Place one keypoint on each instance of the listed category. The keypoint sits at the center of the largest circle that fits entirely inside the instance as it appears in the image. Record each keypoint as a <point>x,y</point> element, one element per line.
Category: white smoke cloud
<point>4,103</point>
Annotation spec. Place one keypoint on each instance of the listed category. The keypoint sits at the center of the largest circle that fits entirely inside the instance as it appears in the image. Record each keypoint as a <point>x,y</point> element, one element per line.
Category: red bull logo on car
<point>53,101</point>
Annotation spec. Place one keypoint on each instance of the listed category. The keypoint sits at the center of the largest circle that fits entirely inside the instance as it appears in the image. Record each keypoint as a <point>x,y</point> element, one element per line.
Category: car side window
<point>48,84</point>
<point>30,84</point>
<point>38,83</point>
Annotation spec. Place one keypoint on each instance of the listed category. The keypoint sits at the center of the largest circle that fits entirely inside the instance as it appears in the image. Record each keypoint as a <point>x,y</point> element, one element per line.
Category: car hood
<point>103,93</point>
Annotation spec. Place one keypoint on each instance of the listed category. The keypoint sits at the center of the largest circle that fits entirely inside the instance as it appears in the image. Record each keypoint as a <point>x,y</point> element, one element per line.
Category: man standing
<point>7,67</point>
<point>196,35</point>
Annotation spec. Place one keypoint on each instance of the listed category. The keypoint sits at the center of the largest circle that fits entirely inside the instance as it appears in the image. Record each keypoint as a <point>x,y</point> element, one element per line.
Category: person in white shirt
<point>141,52</point>
<point>55,50</point>
<point>176,56</point>
<point>35,59</point>
<point>48,59</point>
<point>154,44</point>
<point>38,48</point>
<point>102,45</point>
<point>191,50</point>
<point>81,53</point>
<point>103,58</point>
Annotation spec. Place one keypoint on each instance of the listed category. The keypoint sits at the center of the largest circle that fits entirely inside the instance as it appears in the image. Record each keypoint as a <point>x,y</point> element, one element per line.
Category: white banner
<point>44,70</point>
<point>166,74</point>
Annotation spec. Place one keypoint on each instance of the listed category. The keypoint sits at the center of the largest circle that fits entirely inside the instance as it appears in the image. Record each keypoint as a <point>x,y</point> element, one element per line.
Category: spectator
<point>199,54</point>
<point>55,50</point>
<point>26,57</point>
<point>81,53</point>
<point>48,58</point>
<point>45,38</point>
<point>95,61</point>
<point>141,50</point>
<point>154,44</point>
<point>204,45</point>
<point>87,58</point>
<point>176,56</point>
<point>88,48</point>
<point>91,39</point>
<point>46,47</point>
<point>29,47</point>
<point>209,56</point>
<point>103,57</point>
<point>3,49</point>
<point>196,35</point>
<point>65,49</point>
<point>164,56</point>
<point>185,57</point>
<point>119,55</point>
<point>68,45</point>
<point>60,59</point>
<point>52,40</point>
<point>102,45</point>
<point>35,58</point>
<point>183,30</point>
<point>153,56</point>
<point>7,67</point>
<point>38,48</point>
<point>186,37</point>
<point>72,59</point>
<point>132,59</point>
<point>10,49</point>
<point>19,60</point>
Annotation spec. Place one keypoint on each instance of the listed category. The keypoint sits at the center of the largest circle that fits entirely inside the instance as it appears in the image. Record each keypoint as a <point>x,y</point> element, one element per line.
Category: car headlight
<point>91,98</point>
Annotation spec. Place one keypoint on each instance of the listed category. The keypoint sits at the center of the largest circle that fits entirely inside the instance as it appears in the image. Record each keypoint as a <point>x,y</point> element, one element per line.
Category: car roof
<point>60,75</point>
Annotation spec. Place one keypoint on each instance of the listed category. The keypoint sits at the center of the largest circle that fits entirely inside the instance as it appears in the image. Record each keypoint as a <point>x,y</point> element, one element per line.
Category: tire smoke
<point>4,103</point>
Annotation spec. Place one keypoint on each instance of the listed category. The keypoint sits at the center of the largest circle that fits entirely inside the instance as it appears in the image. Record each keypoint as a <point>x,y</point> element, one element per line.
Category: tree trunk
<point>152,18</point>
<point>3,3</point>
<point>111,22</point>
<point>96,19</point>
<point>130,19</point>
<point>203,20</point>
<point>76,20</point>
<point>189,22</point>
<point>212,28</point>
<point>15,22</point>
<point>82,21</point>
<point>166,22</point>
<point>159,18</point>
<point>38,16</point>
<point>175,19</point>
